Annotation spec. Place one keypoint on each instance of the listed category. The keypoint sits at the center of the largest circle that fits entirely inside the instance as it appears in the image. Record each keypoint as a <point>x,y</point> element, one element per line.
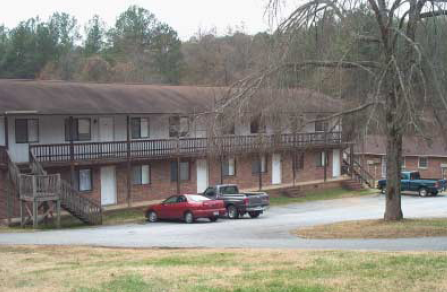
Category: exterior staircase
<point>353,185</point>
<point>80,207</point>
<point>358,173</point>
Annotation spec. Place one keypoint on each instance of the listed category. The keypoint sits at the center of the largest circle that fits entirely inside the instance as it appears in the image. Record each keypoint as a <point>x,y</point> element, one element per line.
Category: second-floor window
<point>27,130</point>
<point>82,129</point>
<point>140,128</point>
<point>321,126</point>
<point>178,126</point>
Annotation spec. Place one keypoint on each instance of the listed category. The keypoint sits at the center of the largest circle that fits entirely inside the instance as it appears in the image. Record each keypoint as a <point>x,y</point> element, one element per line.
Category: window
<point>184,171</point>
<point>82,129</point>
<point>27,130</point>
<point>299,161</point>
<point>85,180</point>
<point>321,126</point>
<point>321,159</point>
<point>423,162</point>
<point>229,167</point>
<point>141,175</point>
<point>178,126</point>
<point>171,200</point>
<point>256,127</point>
<point>140,128</point>
<point>259,165</point>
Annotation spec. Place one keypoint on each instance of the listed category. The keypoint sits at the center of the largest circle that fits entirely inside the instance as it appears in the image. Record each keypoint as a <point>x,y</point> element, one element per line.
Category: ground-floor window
<point>299,161</point>
<point>423,162</point>
<point>259,165</point>
<point>141,175</point>
<point>184,171</point>
<point>229,167</point>
<point>85,180</point>
<point>321,159</point>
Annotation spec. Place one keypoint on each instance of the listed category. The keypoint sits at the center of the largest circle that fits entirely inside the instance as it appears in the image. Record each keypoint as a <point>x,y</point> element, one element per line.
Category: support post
<point>178,175</point>
<point>325,156</point>
<point>260,171</point>
<point>35,204</point>
<point>58,211</point>
<point>221,170</point>
<point>351,160</point>
<point>129,165</point>
<point>22,217</point>
<point>72,162</point>
<point>294,166</point>
<point>9,190</point>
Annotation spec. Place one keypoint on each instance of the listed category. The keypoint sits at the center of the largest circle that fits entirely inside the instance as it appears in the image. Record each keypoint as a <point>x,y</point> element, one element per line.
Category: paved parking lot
<point>272,230</point>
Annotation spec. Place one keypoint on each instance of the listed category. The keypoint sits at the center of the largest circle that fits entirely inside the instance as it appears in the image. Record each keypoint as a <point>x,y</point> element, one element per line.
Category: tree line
<point>138,48</point>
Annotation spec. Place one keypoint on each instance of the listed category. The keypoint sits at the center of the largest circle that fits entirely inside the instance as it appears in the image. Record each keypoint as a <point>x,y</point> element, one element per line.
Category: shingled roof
<point>59,97</point>
<point>412,146</point>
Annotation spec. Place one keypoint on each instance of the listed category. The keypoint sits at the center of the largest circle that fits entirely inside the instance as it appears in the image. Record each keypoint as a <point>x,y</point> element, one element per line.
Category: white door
<point>108,185</point>
<point>336,163</point>
<point>202,175</point>
<point>106,132</point>
<point>276,169</point>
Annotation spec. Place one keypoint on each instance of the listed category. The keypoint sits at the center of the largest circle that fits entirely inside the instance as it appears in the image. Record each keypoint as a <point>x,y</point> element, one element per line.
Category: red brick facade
<point>161,186</point>
<point>437,166</point>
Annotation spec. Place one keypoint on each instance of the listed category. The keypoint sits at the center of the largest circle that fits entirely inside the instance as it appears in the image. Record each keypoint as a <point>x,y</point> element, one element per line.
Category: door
<point>276,169</point>
<point>202,175</point>
<point>106,129</point>
<point>336,164</point>
<point>108,185</point>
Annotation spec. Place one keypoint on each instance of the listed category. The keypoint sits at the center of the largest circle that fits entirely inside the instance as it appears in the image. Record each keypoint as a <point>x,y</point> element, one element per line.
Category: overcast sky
<point>186,16</point>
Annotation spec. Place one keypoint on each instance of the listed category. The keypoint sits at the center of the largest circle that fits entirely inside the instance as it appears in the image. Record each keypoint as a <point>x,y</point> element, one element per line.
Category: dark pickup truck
<point>411,181</point>
<point>238,204</point>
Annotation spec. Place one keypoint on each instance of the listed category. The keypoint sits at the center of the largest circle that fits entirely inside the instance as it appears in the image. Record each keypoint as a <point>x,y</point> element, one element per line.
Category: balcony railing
<point>140,149</point>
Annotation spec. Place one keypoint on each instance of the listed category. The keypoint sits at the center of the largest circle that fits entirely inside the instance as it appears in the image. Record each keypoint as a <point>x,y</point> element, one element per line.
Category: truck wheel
<point>435,194</point>
<point>423,192</point>
<point>189,217</point>
<point>232,211</point>
<point>152,217</point>
<point>254,214</point>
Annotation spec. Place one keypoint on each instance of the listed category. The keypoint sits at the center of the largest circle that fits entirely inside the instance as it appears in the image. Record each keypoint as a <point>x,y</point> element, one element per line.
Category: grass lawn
<point>329,194</point>
<point>377,229</point>
<point>84,269</point>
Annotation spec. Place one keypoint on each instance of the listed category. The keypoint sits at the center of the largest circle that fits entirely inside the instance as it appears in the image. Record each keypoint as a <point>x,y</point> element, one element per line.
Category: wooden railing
<point>180,147</point>
<point>82,208</point>
<point>356,170</point>
<point>39,187</point>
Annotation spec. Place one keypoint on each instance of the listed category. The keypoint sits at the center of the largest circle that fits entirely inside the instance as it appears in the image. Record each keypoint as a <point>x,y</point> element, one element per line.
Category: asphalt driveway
<point>272,230</point>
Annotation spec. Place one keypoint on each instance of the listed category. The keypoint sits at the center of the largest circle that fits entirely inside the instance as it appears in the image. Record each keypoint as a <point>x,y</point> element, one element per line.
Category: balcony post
<point>260,170</point>
<point>178,166</point>
<point>129,164</point>
<point>294,166</point>
<point>6,133</point>
<point>72,162</point>
<point>325,161</point>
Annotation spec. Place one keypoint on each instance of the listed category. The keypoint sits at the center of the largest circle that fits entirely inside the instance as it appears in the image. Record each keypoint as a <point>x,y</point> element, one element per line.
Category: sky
<point>185,16</point>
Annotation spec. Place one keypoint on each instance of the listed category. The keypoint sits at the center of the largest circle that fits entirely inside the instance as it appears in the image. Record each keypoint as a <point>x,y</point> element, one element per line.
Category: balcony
<point>185,147</point>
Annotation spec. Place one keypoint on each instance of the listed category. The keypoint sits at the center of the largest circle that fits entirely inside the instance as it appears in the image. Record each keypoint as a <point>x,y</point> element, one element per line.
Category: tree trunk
<point>393,209</point>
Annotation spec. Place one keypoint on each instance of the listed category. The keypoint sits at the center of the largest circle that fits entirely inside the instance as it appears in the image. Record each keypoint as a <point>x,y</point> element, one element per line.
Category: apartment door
<point>336,163</point>
<point>202,175</point>
<point>108,185</point>
<point>106,129</point>
<point>276,169</point>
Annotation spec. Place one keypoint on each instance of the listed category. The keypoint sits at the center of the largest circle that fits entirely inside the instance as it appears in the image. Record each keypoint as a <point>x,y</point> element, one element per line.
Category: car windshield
<point>197,198</point>
<point>229,190</point>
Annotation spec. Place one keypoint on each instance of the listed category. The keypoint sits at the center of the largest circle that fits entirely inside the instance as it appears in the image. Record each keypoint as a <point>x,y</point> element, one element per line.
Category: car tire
<point>152,217</point>
<point>254,214</point>
<point>423,192</point>
<point>213,219</point>
<point>189,218</point>
<point>233,212</point>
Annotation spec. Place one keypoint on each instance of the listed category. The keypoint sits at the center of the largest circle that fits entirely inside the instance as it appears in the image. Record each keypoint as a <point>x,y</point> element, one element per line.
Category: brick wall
<point>433,170</point>
<point>162,187</point>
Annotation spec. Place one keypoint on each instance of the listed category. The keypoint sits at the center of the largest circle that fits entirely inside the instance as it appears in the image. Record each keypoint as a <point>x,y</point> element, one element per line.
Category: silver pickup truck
<point>238,204</point>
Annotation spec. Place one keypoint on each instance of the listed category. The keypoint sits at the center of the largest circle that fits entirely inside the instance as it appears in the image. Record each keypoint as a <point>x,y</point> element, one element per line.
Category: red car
<point>186,207</point>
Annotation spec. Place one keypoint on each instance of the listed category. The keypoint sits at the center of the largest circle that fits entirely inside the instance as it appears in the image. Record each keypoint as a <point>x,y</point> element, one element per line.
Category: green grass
<point>329,194</point>
<point>84,269</point>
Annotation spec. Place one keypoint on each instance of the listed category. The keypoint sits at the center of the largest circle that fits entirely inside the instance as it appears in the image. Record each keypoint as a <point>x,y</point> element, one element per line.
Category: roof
<point>59,97</point>
<point>412,146</point>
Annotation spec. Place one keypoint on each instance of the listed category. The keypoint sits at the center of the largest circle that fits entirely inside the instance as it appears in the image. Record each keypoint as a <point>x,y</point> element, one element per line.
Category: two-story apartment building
<point>127,143</point>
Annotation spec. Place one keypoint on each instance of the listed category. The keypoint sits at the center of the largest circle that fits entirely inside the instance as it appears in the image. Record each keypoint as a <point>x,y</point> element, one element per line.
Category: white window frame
<point>80,181</point>
<point>419,162</point>
<point>29,122</point>
<point>144,177</point>
<point>231,163</point>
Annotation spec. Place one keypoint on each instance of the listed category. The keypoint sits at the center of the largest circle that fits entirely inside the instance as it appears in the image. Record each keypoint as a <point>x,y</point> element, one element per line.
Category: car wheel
<point>254,214</point>
<point>213,219</point>
<point>189,217</point>
<point>152,217</point>
<point>423,192</point>
<point>232,211</point>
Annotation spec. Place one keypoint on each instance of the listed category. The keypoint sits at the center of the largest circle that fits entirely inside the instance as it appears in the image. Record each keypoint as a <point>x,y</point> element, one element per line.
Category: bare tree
<point>401,83</point>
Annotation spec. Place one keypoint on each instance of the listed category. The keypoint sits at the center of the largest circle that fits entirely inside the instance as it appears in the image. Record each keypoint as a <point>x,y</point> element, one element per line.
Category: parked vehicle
<point>187,208</point>
<point>238,204</point>
<point>411,181</point>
